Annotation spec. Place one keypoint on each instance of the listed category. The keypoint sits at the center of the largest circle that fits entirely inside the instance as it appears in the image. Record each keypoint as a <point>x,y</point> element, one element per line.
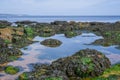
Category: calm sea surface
<point>61,18</point>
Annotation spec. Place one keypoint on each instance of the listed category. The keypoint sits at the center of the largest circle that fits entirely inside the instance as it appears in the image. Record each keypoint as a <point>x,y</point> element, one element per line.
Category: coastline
<point>59,27</point>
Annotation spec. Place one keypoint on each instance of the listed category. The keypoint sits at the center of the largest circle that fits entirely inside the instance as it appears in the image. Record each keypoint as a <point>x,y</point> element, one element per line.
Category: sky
<point>60,7</point>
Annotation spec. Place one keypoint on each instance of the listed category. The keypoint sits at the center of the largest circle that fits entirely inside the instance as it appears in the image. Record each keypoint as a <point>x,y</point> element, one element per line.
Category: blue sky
<point>60,7</point>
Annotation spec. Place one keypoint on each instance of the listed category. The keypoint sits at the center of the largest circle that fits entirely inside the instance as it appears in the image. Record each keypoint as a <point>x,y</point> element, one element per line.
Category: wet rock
<point>85,63</point>
<point>46,32</point>
<point>110,38</point>
<point>51,42</point>
<point>11,70</point>
<point>26,22</point>
<point>54,75</point>
<point>59,22</point>
<point>8,54</point>
<point>4,23</point>
<point>70,34</point>
<point>43,72</point>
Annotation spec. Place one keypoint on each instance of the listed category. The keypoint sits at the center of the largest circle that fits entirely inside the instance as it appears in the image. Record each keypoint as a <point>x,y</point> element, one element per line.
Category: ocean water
<point>13,18</point>
<point>37,53</point>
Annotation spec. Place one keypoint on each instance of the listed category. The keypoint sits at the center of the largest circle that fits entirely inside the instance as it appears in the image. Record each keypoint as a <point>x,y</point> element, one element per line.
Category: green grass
<point>11,70</point>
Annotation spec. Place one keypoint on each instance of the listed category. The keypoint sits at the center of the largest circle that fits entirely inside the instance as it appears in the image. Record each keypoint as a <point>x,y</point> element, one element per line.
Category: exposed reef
<point>85,64</point>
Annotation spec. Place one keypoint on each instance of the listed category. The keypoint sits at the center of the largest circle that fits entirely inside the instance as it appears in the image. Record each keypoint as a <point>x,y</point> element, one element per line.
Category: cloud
<point>45,7</point>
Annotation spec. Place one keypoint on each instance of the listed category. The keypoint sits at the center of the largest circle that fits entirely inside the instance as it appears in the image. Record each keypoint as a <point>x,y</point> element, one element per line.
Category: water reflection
<point>37,53</point>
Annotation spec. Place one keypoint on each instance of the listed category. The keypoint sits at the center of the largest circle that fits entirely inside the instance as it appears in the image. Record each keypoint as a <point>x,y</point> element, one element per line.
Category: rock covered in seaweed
<point>4,23</point>
<point>46,32</point>
<point>70,34</point>
<point>8,54</point>
<point>85,63</point>
<point>26,22</point>
<point>43,72</point>
<point>51,42</point>
<point>11,70</point>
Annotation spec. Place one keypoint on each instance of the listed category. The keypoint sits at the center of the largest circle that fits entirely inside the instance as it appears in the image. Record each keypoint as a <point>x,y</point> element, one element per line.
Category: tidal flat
<point>59,50</point>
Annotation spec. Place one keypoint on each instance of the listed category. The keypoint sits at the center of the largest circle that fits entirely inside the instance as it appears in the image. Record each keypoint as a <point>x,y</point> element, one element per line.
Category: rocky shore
<point>83,64</point>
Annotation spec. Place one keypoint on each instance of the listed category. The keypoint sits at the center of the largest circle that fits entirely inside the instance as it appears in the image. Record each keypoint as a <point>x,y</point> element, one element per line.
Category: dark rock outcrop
<point>27,22</point>
<point>51,42</point>
<point>8,54</point>
<point>85,63</point>
<point>4,23</point>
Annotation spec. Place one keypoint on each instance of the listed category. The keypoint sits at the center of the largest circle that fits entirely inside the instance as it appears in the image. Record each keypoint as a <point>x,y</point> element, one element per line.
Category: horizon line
<point>52,15</point>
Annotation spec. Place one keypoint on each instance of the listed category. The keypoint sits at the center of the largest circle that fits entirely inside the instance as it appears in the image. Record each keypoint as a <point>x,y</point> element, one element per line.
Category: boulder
<point>59,23</point>
<point>85,63</point>
<point>51,42</point>
<point>4,23</point>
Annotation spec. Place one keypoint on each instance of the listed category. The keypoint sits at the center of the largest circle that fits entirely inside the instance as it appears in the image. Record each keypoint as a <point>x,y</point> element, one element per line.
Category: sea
<point>14,18</point>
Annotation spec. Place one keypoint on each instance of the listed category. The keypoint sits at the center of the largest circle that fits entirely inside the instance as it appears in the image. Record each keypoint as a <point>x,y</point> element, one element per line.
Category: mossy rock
<point>70,34</point>
<point>112,73</point>
<point>8,54</point>
<point>53,78</point>
<point>11,70</point>
<point>47,32</point>
<point>51,42</point>
<point>111,77</point>
<point>85,63</point>
<point>4,23</point>
<point>12,58</point>
<point>110,38</point>
<point>23,76</point>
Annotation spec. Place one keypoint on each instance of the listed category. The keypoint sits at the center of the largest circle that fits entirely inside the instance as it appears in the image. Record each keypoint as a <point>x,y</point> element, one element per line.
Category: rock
<point>8,54</point>
<point>51,42</point>
<point>4,23</point>
<point>2,44</point>
<point>23,76</point>
<point>11,70</point>
<point>46,32</point>
<point>54,75</point>
<point>70,34</point>
<point>85,63</point>
<point>59,22</point>
<point>26,22</point>
<point>43,72</point>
